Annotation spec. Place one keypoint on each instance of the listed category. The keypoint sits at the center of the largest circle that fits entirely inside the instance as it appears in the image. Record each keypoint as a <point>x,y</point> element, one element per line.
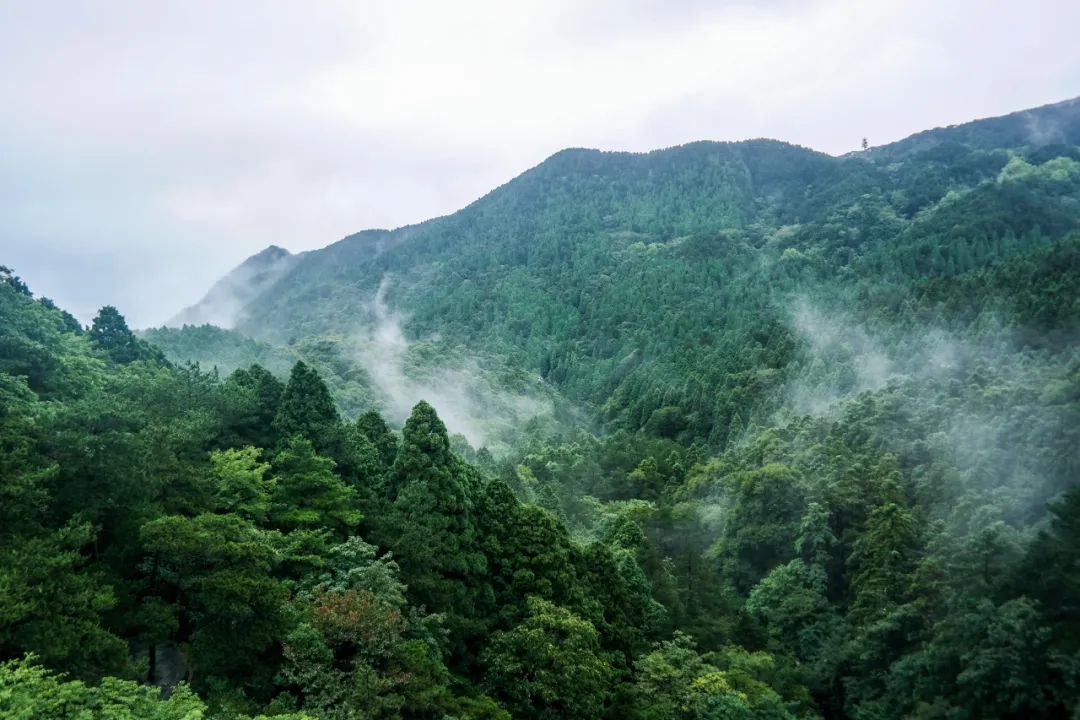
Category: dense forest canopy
<point>719,431</point>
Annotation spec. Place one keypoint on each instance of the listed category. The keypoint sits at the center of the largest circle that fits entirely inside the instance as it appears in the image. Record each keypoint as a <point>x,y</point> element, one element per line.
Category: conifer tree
<point>433,523</point>
<point>307,409</point>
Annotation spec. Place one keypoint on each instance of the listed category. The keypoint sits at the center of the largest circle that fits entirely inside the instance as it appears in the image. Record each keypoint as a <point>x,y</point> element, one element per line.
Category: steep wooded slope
<point>635,282</point>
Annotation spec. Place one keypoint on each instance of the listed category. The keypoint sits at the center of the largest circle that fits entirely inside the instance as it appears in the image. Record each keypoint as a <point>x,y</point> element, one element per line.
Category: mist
<point>462,387</point>
<point>983,407</point>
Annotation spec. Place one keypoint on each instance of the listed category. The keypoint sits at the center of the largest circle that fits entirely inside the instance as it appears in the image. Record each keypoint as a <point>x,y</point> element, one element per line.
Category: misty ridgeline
<point>727,430</point>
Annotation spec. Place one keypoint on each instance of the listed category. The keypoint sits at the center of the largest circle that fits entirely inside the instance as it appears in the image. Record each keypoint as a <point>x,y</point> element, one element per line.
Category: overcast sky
<point>147,146</point>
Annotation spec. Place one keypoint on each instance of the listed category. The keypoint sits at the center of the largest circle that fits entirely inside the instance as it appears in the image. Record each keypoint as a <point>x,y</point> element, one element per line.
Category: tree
<point>307,409</point>
<point>372,426</point>
<point>549,667</point>
<point>433,527</point>
<point>218,570</point>
<point>662,690</point>
<point>308,495</point>
<point>883,559</point>
<point>53,605</point>
<point>762,524</point>
<point>9,278</point>
<point>257,394</point>
<point>1050,572</point>
<point>27,690</point>
<point>110,332</point>
<point>241,485</point>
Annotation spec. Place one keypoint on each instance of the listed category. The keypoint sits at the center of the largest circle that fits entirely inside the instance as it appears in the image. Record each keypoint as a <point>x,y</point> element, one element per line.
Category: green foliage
<point>821,460</point>
<point>372,426</point>
<point>29,691</point>
<point>307,494</point>
<point>218,571</point>
<point>306,408</point>
<point>111,333</point>
<point>549,666</point>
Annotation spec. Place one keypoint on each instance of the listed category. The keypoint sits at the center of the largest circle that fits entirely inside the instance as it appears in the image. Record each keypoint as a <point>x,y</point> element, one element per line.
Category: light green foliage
<point>664,677</point>
<point>353,565</point>
<point>549,666</point>
<point>241,483</point>
<point>29,692</point>
<point>734,696</point>
<point>307,494</point>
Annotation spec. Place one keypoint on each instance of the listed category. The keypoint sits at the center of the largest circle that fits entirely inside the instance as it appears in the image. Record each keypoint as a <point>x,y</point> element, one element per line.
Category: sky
<point>146,148</point>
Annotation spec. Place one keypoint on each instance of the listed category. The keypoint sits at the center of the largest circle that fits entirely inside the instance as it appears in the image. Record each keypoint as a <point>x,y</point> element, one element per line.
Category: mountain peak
<point>224,304</point>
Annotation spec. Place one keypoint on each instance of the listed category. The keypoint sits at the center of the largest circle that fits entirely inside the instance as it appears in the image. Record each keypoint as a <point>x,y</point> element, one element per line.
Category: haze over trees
<point>720,431</point>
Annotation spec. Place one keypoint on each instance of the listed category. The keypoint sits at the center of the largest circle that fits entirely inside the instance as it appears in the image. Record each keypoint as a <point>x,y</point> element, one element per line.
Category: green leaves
<point>53,605</point>
<point>548,667</point>
<point>27,690</point>
<point>241,485</point>
<point>307,494</point>
<point>219,570</point>
<point>307,409</point>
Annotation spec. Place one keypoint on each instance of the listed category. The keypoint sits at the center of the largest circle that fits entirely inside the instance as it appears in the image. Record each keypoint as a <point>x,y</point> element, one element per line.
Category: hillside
<point>224,304</point>
<point>674,279</point>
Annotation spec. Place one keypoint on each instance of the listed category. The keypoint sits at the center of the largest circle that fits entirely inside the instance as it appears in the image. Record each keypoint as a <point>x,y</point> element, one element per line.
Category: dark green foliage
<point>111,333</point>
<point>259,396</point>
<point>432,530</point>
<point>306,408</point>
<point>372,426</point>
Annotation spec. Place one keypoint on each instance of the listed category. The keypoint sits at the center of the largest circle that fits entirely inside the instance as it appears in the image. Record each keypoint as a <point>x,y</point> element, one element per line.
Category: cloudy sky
<point>147,146</point>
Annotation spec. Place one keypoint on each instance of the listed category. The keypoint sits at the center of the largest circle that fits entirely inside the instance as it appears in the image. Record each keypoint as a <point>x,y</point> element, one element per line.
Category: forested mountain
<point>225,302</point>
<point>636,282</point>
<point>746,431</point>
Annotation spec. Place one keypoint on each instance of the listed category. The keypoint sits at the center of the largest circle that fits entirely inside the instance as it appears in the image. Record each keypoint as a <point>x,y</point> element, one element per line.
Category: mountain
<point>725,430</point>
<point>225,303</point>
<point>675,278</point>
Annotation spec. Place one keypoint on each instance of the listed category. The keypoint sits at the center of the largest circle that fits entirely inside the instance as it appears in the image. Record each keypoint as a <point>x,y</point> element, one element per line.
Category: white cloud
<point>190,134</point>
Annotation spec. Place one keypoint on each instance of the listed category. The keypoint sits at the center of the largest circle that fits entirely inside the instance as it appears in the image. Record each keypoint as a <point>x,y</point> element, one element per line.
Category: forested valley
<point>721,431</point>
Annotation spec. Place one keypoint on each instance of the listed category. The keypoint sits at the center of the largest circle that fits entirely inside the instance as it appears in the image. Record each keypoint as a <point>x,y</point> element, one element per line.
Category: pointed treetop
<point>425,431</point>
<point>425,452</point>
<point>307,408</point>
<point>372,426</point>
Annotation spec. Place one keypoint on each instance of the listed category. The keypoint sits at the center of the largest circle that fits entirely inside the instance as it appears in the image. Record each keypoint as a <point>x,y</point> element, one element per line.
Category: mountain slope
<point>673,279</point>
<point>225,303</point>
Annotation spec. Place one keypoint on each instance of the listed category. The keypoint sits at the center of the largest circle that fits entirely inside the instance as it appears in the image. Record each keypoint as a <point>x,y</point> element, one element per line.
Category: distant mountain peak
<point>224,304</point>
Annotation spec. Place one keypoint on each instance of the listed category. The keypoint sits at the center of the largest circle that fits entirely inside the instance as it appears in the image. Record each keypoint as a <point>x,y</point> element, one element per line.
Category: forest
<point>716,432</point>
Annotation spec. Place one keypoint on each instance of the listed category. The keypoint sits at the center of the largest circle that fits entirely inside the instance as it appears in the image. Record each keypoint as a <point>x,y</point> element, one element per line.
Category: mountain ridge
<point>1055,113</point>
<point>637,282</point>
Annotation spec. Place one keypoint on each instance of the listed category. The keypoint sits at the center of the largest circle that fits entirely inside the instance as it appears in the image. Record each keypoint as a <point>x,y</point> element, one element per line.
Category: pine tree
<point>372,426</point>
<point>308,410</point>
<point>110,332</point>
<point>432,522</point>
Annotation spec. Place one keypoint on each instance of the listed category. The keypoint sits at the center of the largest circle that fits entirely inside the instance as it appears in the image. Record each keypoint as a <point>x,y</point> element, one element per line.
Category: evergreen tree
<point>433,525</point>
<point>307,410</point>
